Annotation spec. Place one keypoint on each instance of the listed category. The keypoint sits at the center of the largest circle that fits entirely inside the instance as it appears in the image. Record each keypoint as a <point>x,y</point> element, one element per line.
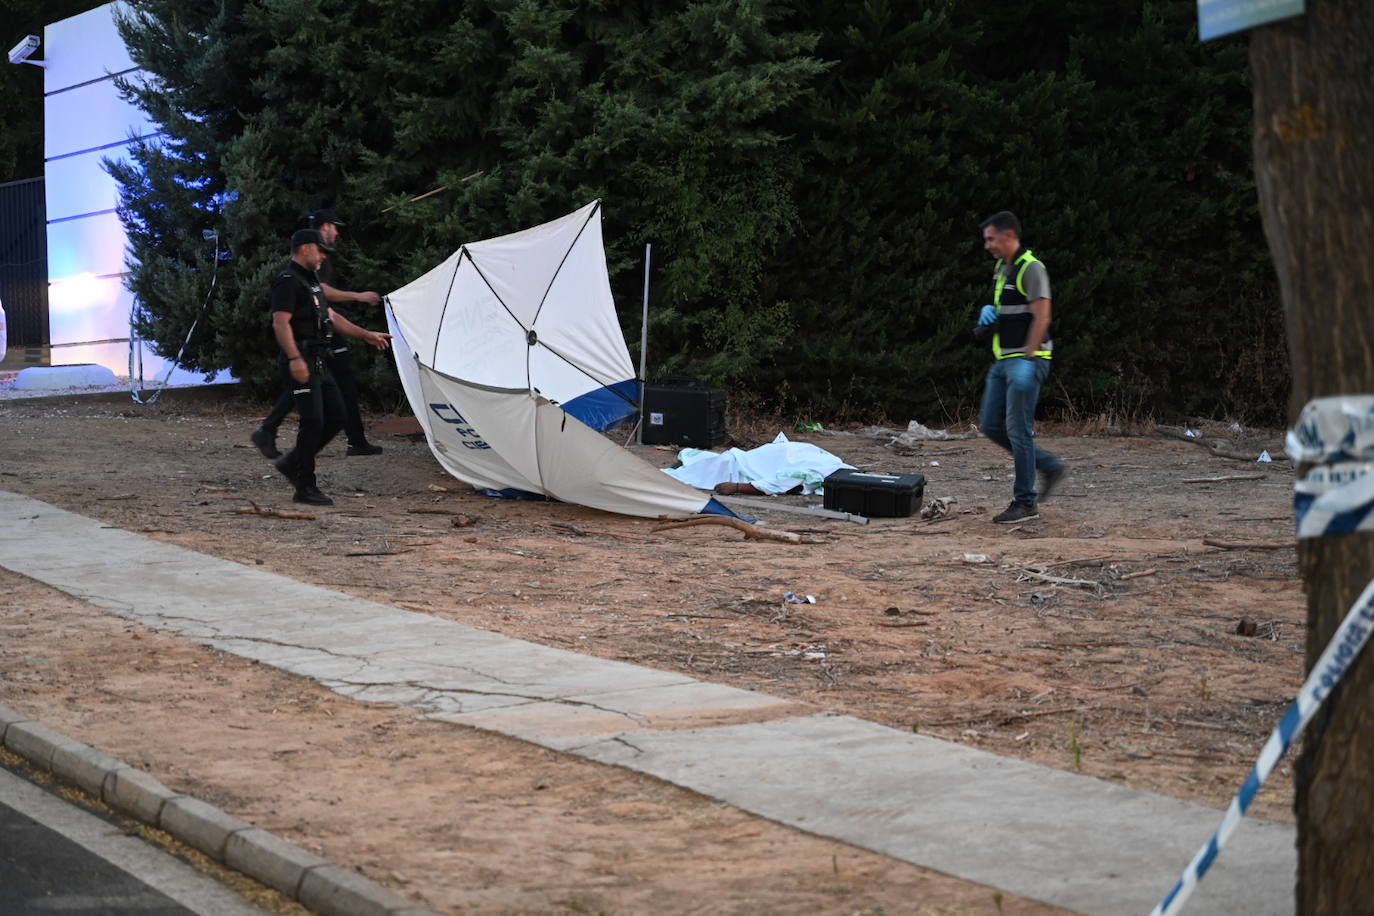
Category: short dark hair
<point>1002,220</point>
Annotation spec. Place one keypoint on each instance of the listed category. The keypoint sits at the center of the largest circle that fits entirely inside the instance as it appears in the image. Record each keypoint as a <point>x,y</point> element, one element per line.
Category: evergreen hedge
<point>811,177</point>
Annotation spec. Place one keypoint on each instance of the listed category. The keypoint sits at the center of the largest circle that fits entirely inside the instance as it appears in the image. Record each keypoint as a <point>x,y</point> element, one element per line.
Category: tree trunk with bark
<point>1314,167</point>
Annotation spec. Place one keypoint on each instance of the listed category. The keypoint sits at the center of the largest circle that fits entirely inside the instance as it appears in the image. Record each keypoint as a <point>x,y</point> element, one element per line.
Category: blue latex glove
<point>988,315</point>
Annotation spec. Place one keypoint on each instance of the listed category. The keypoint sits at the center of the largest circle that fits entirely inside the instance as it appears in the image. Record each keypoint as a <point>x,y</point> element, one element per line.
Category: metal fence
<point>24,262</point>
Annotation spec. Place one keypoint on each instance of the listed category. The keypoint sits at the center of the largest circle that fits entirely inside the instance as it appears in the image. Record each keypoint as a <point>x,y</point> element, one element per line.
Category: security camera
<point>20,53</point>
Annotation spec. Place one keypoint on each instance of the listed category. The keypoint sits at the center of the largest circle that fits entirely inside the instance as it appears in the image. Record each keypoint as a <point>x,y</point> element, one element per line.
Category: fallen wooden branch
<point>1082,561</point>
<point>898,624</point>
<point>750,531</point>
<point>377,553</point>
<point>273,513</point>
<point>1137,575</point>
<point>1223,477</point>
<point>1044,712</point>
<point>424,511</point>
<point>1061,580</point>
<point>570,529</point>
<point>703,616</point>
<point>1219,447</point>
<point>1242,545</point>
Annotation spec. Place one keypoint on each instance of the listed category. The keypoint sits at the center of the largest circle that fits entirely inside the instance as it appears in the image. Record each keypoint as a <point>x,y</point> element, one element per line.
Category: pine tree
<point>811,178</point>
<point>366,105</point>
<point>196,66</point>
<point>667,110</point>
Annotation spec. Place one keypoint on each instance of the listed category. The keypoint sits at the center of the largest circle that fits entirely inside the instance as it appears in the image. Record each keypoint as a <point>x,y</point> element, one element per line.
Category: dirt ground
<point>1102,638</point>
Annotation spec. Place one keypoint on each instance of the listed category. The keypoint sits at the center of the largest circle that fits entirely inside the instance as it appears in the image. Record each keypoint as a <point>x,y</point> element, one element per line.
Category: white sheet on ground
<point>773,468</point>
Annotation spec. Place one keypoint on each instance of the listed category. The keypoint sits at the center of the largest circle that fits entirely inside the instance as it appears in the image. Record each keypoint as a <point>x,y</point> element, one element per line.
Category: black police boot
<point>364,448</point>
<point>283,466</point>
<point>266,441</point>
<point>311,496</point>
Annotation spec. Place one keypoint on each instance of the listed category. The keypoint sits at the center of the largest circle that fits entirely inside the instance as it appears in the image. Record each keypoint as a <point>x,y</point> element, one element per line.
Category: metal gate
<point>24,262</point>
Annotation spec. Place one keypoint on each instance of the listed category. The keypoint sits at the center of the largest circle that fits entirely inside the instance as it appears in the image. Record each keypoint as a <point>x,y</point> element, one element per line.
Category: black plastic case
<point>874,495</point>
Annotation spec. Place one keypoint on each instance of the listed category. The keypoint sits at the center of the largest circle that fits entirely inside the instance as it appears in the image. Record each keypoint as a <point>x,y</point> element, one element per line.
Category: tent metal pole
<point>644,346</point>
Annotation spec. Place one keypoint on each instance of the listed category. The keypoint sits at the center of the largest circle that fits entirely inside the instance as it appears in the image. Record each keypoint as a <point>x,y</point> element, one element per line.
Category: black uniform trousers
<point>320,408</point>
<point>341,367</point>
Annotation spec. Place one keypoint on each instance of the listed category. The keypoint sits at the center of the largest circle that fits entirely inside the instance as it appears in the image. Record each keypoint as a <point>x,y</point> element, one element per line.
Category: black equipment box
<point>689,415</point>
<point>874,495</point>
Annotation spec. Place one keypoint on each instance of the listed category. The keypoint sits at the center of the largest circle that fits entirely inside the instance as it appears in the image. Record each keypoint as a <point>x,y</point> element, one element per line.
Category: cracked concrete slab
<point>1078,842</point>
<point>575,722</point>
<point>1045,834</point>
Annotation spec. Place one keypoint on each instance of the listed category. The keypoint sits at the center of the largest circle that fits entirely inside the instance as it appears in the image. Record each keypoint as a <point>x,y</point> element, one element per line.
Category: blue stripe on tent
<point>713,507</point>
<point>602,408</point>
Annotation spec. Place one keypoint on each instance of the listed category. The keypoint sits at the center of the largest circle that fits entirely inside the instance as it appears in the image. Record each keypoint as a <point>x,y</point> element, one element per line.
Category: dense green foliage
<point>811,177</point>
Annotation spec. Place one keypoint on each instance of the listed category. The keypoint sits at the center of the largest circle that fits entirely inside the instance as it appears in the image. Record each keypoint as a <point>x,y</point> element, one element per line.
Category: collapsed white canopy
<point>506,347</point>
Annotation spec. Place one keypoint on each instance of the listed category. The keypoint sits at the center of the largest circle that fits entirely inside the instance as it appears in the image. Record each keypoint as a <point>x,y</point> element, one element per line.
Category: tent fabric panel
<point>485,438</point>
<point>559,380</point>
<point>408,369</point>
<point>419,305</point>
<point>578,318</point>
<point>479,341</point>
<point>580,465</point>
<point>520,266</point>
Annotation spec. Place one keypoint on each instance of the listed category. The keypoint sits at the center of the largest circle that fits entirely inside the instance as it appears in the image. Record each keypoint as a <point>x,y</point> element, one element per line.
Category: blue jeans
<point>1009,397</point>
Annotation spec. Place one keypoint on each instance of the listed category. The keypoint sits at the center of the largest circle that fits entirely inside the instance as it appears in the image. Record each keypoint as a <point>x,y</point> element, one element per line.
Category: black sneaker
<point>367,448</point>
<point>312,496</point>
<point>284,469</point>
<point>1050,480</point>
<point>266,441</point>
<point>1016,512</point>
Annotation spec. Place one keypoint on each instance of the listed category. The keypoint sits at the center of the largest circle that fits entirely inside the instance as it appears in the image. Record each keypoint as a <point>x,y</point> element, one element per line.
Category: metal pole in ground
<point>643,347</point>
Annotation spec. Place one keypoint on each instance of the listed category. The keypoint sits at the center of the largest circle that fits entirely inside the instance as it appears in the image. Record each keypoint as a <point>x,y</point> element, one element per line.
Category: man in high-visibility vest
<point>1019,318</point>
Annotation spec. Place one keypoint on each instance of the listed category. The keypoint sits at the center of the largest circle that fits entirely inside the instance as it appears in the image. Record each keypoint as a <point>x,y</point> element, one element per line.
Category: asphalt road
<point>56,857</point>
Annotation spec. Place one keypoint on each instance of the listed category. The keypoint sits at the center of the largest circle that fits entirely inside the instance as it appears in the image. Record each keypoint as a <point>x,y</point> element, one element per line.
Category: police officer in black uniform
<point>306,329</point>
<point>328,223</point>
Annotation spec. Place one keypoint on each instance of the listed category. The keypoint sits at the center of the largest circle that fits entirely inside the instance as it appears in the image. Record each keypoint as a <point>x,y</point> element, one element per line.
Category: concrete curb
<point>313,881</point>
<point>198,394</point>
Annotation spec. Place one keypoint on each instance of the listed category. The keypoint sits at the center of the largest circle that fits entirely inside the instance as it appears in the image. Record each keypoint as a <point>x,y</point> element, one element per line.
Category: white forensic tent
<point>512,358</point>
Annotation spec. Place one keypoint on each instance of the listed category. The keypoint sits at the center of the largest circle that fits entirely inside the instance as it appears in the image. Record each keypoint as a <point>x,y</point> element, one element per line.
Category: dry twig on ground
<point>1137,575</point>
<point>750,531</point>
<point>273,513</point>
<point>1242,545</point>
<point>1061,580</point>
<point>1219,447</point>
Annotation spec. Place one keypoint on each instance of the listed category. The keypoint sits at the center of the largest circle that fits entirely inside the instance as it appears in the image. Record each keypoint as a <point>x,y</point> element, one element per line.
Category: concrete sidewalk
<point>1041,833</point>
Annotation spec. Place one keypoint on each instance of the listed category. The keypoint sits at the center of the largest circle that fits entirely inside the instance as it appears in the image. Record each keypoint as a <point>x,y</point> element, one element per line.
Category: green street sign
<point>1224,17</point>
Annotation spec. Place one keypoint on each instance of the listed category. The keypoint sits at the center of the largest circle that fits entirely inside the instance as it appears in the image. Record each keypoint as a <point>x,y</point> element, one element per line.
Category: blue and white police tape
<point>1345,645</point>
<point>1331,429</point>
<point>1337,496</point>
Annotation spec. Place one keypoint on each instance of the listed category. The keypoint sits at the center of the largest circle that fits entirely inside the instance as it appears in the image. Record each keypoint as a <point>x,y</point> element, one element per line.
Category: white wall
<point>86,121</point>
